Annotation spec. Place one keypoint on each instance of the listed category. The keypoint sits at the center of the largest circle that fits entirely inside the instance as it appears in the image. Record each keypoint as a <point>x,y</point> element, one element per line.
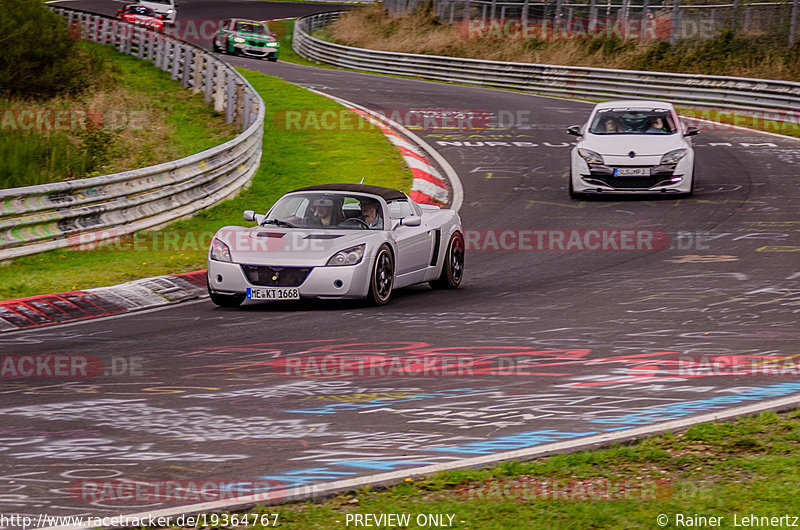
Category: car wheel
<point>225,300</point>
<point>453,266</point>
<point>214,46</point>
<point>382,277</point>
<point>273,59</point>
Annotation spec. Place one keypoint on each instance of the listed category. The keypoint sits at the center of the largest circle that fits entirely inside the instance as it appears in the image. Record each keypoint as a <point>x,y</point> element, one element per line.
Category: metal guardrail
<point>37,218</point>
<point>774,100</point>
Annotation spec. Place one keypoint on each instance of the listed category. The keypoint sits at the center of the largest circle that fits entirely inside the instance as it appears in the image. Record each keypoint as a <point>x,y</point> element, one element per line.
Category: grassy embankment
<point>132,116</point>
<point>290,159</point>
<point>746,467</point>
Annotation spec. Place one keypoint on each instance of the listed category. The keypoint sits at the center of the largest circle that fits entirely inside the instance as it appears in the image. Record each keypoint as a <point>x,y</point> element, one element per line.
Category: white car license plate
<point>291,293</point>
<point>632,172</point>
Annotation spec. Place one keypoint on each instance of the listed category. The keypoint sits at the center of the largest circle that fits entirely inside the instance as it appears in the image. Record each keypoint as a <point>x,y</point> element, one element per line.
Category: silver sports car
<point>336,241</point>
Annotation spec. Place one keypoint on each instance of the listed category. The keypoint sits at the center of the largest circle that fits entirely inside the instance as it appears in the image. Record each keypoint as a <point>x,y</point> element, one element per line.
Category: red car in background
<point>141,15</point>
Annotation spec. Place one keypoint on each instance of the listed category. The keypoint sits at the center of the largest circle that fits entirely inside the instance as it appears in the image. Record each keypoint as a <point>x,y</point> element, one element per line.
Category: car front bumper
<point>663,179</point>
<point>259,52</point>
<point>348,281</point>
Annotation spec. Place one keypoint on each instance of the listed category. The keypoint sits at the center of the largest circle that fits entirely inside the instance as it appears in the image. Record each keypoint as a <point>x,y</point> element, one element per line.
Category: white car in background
<point>166,9</point>
<point>632,147</point>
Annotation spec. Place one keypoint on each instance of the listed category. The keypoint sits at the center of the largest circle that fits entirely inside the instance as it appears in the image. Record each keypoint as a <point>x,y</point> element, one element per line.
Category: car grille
<point>631,182</point>
<point>275,276</point>
<point>256,43</point>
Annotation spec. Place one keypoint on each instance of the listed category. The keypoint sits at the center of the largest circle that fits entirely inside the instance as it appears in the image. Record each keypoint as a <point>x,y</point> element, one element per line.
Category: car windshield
<point>632,121</point>
<point>165,2</point>
<point>141,10</point>
<point>251,27</point>
<point>327,211</point>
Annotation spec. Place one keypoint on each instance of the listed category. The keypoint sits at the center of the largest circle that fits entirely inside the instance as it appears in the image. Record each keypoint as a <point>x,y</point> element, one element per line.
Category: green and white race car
<point>246,37</point>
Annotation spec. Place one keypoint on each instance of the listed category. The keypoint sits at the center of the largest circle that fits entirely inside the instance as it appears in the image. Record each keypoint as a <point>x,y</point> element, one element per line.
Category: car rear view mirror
<point>574,130</point>
<point>691,131</point>
<point>249,215</point>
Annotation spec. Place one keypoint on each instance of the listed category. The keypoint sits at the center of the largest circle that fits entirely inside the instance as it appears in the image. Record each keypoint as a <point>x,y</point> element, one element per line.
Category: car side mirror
<point>574,130</point>
<point>691,131</point>
<point>411,220</point>
<point>119,11</point>
<point>249,215</point>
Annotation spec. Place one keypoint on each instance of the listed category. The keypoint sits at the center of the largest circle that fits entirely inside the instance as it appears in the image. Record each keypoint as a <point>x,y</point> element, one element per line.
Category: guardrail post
<point>128,41</point>
<point>208,86</point>
<point>219,90</point>
<point>177,52</point>
<point>198,74</point>
<point>239,104</point>
<point>186,63</point>
<point>246,110</point>
<point>230,99</point>
<point>141,35</point>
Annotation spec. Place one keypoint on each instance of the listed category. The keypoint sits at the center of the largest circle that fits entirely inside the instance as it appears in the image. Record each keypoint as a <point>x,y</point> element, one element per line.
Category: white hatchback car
<point>632,147</point>
<point>166,9</point>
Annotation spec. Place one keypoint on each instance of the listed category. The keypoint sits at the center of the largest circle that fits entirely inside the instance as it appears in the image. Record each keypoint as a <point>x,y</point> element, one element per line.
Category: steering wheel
<point>351,220</point>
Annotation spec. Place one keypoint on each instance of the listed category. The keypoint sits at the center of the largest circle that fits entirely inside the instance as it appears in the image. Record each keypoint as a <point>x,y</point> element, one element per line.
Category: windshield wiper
<point>277,222</point>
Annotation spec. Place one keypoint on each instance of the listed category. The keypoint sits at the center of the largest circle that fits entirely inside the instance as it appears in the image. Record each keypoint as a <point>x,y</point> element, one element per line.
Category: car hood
<point>641,144</point>
<point>270,245</point>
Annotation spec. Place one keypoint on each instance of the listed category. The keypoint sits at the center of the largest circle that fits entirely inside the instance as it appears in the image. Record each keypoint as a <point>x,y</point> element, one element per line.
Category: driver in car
<point>323,213</point>
<point>370,213</point>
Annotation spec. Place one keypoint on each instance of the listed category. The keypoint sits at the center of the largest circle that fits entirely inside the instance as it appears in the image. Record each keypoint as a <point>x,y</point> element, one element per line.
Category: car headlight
<point>220,251</point>
<point>590,156</point>
<point>673,156</point>
<point>272,44</point>
<point>348,256</point>
<point>170,11</point>
<point>238,39</point>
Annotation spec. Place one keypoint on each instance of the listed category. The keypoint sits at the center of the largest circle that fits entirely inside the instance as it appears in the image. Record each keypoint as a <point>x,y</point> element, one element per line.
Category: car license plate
<point>632,172</point>
<point>273,294</point>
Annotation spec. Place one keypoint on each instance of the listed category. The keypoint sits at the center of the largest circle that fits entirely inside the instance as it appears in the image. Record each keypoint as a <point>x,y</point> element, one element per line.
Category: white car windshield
<point>327,211</point>
<point>633,121</point>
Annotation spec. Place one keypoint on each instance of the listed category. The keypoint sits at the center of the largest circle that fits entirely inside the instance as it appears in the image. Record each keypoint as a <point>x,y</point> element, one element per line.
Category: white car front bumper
<point>347,281</point>
<point>601,179</point>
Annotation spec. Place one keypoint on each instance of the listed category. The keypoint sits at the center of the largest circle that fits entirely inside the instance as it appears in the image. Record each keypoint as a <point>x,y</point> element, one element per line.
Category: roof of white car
<point>639,103</point>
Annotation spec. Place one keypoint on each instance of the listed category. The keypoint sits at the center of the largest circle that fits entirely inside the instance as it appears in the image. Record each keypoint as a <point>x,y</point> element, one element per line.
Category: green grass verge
<point>290,159</point>
<point>116,126</point>
<point>746,467</point>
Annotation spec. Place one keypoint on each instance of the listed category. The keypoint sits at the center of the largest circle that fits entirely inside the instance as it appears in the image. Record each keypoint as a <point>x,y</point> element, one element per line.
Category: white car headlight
<point>673,156</point>
<point>238,39</point>
<point>348,256</point>
<point>220,251</point>
<point>590,156</point>
<point>272,44</point>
